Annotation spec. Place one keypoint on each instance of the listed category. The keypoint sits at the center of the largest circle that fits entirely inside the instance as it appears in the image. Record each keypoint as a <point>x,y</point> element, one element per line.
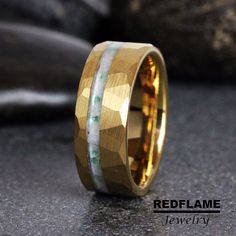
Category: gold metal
<point>133,118</point>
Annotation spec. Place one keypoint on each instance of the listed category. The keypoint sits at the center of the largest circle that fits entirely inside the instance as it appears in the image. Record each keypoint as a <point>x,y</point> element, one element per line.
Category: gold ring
<point>121,116</point>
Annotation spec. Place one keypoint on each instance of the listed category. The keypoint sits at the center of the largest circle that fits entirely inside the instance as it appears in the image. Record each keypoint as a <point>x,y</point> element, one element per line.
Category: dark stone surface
<point>78,17</point>
<point>40,193</point>
<point>40,71</point>
<point>197,38</point>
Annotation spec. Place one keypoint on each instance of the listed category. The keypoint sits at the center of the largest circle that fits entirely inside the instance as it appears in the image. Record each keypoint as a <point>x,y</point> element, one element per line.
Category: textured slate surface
<point>40,193</point>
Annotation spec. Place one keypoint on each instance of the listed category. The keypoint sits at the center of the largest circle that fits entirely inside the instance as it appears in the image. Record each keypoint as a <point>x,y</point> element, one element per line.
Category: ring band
<point>121,117</point>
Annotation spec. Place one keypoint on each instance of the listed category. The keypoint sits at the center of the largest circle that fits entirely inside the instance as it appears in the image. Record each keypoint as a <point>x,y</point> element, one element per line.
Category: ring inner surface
<point>143,125</point>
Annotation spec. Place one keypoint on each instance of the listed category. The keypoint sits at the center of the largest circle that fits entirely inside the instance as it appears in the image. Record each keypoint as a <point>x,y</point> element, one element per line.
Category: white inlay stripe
<point>94,115</point>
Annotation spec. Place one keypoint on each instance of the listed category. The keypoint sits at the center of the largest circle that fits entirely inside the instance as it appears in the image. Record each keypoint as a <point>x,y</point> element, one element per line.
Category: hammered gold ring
<point>121,117</point>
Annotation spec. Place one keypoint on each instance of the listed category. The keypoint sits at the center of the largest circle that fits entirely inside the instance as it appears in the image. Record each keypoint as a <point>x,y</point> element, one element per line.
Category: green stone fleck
<point>102,77</point>
<point>94,160</point>
<point>94,153</point>
<point>95,118</point>
<point>97,99</point>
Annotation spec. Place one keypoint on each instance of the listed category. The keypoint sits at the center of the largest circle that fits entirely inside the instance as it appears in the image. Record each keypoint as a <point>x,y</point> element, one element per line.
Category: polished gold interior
<point>145,119</point>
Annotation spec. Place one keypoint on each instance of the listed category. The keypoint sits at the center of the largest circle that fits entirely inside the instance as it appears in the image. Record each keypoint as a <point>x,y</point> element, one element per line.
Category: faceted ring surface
<point>121,117</point>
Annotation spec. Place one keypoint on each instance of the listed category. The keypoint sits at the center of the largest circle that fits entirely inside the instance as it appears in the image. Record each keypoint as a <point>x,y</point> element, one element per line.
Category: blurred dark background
<point>44,45</point>
<point>43,48</point>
